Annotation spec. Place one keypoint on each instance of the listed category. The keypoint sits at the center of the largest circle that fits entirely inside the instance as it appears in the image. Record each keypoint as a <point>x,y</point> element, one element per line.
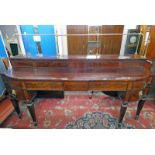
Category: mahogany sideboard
<point>130,74</point>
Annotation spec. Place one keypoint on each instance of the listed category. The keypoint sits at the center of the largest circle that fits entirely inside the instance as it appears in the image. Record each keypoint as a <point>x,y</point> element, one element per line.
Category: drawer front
<point>76,86</point>
<point>39,85</point>
<point>108,86</point>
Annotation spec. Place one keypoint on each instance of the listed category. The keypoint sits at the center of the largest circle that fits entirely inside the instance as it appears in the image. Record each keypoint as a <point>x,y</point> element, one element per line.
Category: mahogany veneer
<point>130,74</point>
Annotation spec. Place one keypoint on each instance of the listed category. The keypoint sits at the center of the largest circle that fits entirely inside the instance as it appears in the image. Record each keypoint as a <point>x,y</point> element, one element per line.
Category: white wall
<point>62,40</point>
<point>21,44</point>
<point>8,32</point>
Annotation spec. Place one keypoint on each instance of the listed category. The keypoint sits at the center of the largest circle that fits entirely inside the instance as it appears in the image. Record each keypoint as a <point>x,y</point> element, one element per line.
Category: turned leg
<point>16,105</point>
<point>122,111</point>
<point>91,95</point>
<point>139,108</point>
<point>32,113</point>
<point>124,103</point>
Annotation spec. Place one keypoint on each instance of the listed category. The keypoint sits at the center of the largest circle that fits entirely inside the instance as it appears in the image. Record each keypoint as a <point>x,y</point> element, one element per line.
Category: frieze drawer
<point>39,85</point>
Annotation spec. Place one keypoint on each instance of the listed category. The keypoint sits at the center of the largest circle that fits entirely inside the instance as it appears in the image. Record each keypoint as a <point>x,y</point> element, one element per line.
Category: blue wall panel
<point>2,68</point>
<point>2,48</point>
<point>29,43</point>
<point>48,43</point>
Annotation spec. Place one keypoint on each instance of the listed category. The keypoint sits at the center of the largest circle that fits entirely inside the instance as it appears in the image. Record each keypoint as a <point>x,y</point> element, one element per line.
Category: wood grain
<point>77,73</point>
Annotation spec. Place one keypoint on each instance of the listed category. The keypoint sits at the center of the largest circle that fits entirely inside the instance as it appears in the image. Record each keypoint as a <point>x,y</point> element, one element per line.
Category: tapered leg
<point>16,106</point>
<point>139,108</point>
<point>91,95</point>
<point>122,111</point>
<point>32,113</point>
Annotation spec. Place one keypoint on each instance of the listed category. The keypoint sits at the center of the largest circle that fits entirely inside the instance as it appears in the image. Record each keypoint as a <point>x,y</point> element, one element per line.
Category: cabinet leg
<point>139,108</point>
<point>122,111</point>
<point>16,106</point>
<point>32,113</point>
<point>91,95</point>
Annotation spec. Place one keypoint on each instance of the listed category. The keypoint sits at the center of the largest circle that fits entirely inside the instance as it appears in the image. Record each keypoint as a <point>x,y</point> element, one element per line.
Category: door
<point>111,44</point>
<point>44,44</point>
<point>77,45</point>
<point>48,42</point>
<point>28,40</point>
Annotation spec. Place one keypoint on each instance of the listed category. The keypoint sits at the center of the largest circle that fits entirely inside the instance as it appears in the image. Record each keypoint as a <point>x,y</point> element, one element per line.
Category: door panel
<point>29,43</point>
<point>111,44</point>
<point>2,48</point>
<point>77,45</point>
<point>48,43</point>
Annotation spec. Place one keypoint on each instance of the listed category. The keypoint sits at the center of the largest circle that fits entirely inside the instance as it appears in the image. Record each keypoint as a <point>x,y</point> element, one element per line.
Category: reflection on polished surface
<point>129,56</point>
